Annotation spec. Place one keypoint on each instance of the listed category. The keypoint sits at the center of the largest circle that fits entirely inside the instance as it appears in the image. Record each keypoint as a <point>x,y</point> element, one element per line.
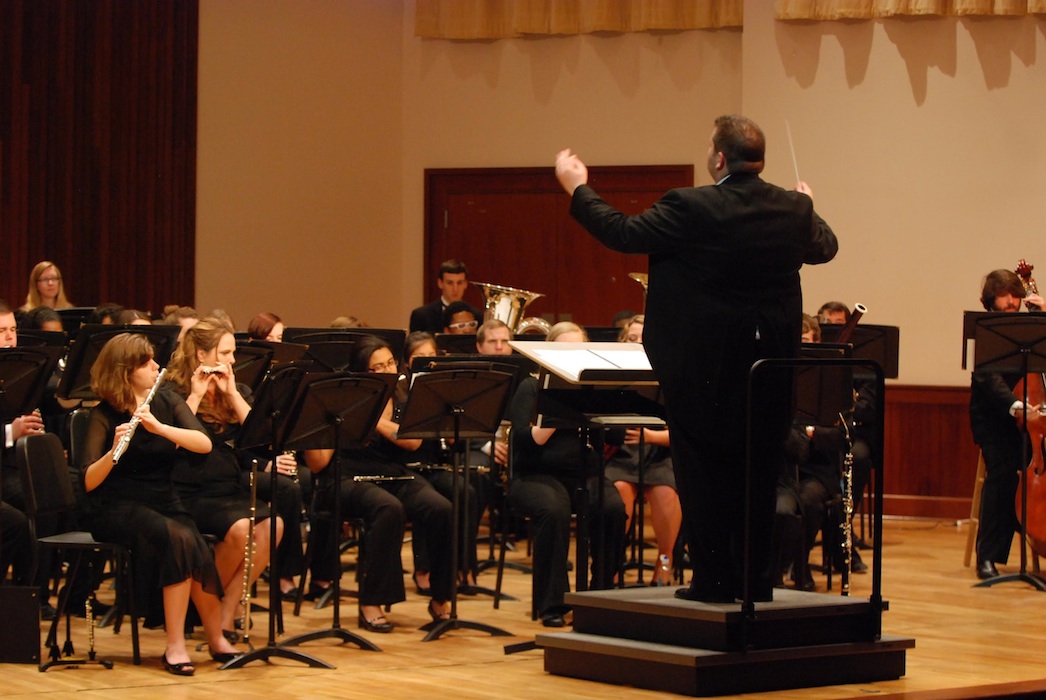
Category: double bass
<point>1035,382</point>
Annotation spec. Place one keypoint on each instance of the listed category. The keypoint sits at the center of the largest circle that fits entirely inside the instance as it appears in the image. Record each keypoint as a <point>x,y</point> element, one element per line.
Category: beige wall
<point>318,117</point>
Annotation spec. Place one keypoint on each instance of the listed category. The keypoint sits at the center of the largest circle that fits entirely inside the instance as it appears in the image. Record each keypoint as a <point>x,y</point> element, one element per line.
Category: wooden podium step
<point>648,638</point>
<point>701,672</point>
<point>794,618</point>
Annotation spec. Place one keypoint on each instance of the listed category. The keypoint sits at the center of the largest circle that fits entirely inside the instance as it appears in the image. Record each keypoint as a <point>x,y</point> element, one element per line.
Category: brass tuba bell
<point>507,304</point>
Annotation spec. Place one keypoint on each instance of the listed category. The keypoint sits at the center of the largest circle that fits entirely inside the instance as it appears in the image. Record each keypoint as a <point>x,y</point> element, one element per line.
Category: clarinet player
<point>133,502</point>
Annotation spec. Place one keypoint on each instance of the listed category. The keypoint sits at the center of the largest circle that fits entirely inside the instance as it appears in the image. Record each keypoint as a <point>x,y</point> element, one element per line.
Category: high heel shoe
<point>437,616</point>
<point>372,625</point>
<point>185,668</point>
<point>224,657</point>
<point>421,591</point>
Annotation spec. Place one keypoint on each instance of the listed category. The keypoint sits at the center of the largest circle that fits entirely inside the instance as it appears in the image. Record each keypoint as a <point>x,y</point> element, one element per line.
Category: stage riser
<point>849,626</point>
<point>747,673</point>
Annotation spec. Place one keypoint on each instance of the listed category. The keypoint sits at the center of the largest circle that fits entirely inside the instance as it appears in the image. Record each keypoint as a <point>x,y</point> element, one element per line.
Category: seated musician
<point>863,421</point>
<point>459,319</point>
<point>433,460</point>
<point>210,485</point>
<point>546,476</point>
<point>384,506</point>
<point>659,483</point>
<point>134,503</point>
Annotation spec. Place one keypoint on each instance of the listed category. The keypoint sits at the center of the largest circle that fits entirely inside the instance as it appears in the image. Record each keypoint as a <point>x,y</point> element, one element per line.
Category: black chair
<point>48,492</point>
<point>322,515</point>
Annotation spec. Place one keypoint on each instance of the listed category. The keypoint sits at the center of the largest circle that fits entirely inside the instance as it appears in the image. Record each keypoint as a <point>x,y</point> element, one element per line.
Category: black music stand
<point>261,429</point>
<point>24,373</point>
<point>396,337</point>
<point>89,341</point>
<point>252,365</point>
<point>457,404</point>
<point>456,343</point>
<point>335,410</point>
<point>1013,343</point>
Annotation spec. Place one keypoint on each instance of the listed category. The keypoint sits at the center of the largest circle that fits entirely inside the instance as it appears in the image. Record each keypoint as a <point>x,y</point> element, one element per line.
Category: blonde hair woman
<point>46,288</point>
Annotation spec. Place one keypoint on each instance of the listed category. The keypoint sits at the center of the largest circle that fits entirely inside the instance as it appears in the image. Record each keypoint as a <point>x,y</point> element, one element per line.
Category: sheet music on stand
<point>590,363</point>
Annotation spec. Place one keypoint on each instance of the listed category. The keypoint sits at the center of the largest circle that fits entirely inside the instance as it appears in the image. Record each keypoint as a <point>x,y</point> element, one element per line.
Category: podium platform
<point>647,638</point>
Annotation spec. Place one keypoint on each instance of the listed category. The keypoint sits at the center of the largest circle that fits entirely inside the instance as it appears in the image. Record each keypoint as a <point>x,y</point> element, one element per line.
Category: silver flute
<point>132,425</point>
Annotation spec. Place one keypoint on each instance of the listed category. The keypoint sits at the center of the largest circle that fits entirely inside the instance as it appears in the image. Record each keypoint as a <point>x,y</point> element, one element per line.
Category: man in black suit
<point>996,414</point>
<point>453,281</point>
<point>723,292</point>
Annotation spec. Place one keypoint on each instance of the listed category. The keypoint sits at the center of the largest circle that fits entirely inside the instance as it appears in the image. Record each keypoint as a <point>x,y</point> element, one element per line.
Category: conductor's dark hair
<point>365,347</point>
<point>741,142</point>
<point>453,267</point>
<point>999,282</point>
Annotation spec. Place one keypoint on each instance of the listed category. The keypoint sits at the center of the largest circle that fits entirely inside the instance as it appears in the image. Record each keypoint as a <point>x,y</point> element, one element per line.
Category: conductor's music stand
<point>457,404</point>
<point>1013,343</point>
<point>335,410</point>
<point>261,429</point>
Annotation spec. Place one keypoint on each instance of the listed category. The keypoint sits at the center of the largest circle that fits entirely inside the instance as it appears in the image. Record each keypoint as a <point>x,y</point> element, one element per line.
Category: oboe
<point>132,425</point>
<point>248,554</point>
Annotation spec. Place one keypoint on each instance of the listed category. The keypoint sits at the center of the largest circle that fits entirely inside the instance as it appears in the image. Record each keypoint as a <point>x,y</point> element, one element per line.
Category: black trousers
<point>385,507</point>
<point>549,502</point>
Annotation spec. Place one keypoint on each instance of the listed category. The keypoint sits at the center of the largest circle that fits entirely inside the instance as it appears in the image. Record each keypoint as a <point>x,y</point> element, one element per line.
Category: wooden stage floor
<point>970,642</point>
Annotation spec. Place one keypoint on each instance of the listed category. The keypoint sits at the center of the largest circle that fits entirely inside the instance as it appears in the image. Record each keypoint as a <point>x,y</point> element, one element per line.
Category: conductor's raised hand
<point>570,171</point>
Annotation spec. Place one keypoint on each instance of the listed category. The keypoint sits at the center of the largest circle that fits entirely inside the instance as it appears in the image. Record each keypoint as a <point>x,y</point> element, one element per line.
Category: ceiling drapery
<point>873,9</point>
<point>500,19</point>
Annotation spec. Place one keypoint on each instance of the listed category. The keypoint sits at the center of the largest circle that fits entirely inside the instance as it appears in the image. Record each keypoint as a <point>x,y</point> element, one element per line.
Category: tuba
<point>642,278</point>
<point>507,304</point>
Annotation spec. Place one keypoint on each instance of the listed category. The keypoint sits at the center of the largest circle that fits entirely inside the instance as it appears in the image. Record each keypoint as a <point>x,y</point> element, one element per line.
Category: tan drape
<point>869,9</point>
<point>499,19</point>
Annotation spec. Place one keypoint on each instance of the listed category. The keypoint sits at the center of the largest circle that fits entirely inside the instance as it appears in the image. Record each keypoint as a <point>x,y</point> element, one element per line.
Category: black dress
<point>137,506</point>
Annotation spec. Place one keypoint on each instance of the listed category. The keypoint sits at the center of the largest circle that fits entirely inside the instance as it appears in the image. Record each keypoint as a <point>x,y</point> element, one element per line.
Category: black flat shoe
<point>183,669</point>
<point>232,637</point>
<point>986,570</point>
<point>290,595</point>
<point>373,625</point>
<point>316,592</point>
<point>224,657</point>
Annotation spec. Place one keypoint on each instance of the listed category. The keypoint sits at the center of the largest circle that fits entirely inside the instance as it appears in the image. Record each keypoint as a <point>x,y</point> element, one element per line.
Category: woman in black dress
<point>133,501</point>
<point>211,485</point>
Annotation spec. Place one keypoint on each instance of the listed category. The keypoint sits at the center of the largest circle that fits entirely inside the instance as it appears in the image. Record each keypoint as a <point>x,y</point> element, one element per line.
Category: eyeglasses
<point>464,325</point>
<point>47,280</point>
<point>381,366</point>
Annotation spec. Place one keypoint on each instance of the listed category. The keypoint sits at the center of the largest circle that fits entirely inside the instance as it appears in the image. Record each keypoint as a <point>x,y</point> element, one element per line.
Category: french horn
<point>508,304</point>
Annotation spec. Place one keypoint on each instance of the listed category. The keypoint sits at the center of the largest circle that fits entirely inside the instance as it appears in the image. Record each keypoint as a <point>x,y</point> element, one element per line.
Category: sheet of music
<point>572,361</point>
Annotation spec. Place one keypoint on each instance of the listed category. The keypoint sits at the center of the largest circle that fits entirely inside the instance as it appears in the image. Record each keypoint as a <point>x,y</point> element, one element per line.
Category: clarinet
<point>121,446</point>
<point>846,526</point>
<point>248,554</point>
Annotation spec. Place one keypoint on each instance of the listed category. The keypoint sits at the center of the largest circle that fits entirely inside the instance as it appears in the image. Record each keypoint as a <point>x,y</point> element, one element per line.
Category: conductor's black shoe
<point>986,570</point>
<point>553,620</point>
<point>689,593</point>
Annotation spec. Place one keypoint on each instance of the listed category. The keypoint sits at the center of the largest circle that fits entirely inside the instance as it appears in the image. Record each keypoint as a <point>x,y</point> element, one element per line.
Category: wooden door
<point>512,227</point>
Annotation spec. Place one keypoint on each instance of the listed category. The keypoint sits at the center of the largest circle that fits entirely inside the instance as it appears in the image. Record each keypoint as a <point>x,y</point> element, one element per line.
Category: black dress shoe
<point>47,612</point>
<point>223,657</point>
<point>291,595</point>
<point>553,620</point>
<point>689,593</point>
<point>986,570</point>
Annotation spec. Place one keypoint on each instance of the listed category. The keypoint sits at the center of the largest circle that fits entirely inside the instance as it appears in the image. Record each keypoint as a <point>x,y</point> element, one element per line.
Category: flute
<point>121,446</point>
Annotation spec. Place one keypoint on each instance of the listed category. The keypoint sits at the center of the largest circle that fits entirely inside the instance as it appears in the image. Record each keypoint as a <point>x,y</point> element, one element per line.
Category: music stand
<point>1013,343</point>
<point>282,352</point>
<point>73,318</point>
<point>252,364</point>
<point>396,337</point>
<point>456,343</point>
<point>261,429</point>
<point>458,404</point>
<point>34,338</point>
<point>24,373</point>
<point>89,341</point>
<point>335,410</point>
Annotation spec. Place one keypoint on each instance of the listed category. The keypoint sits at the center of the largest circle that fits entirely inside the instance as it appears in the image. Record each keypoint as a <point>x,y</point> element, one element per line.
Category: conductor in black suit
<point>453,281</point>
<point>723,292</point>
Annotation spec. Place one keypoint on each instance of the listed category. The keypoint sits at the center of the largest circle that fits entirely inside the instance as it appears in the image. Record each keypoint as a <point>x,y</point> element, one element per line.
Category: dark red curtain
<point>98,148</point>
